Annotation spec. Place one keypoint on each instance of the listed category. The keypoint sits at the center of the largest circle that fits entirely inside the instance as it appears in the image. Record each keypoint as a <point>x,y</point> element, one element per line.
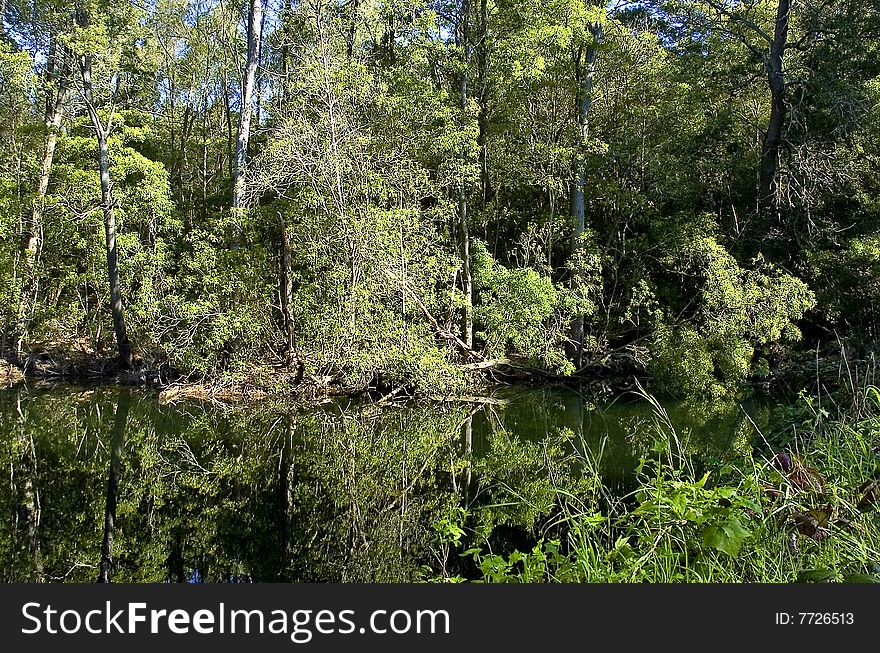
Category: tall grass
<point>802,513</point>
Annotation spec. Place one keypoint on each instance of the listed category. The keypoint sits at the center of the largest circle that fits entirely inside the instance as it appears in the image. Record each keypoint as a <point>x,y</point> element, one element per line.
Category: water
<point>342,492</point>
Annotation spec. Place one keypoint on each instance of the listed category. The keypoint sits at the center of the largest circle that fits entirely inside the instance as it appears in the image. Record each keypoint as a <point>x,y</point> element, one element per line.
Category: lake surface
<point>103,481</point>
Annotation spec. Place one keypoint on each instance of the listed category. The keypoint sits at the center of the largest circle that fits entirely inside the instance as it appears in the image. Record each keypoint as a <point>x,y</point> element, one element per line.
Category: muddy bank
<point>9,374</point>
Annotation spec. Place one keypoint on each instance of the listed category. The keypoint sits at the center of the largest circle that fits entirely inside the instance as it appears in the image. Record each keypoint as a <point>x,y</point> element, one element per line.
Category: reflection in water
<point>110,485</point>
<point>123,404</point>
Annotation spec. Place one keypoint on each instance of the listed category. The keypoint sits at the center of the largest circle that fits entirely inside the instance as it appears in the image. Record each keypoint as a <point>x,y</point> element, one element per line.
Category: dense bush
<point>732,315</point>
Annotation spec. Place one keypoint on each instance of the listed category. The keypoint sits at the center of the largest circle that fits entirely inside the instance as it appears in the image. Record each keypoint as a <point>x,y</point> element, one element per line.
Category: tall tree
<point>743,21</point>
<point>775,66</point>
<point>102,133</point>
<point>464,238</point>
<point>56,80</point>
<point>248,83</point>
<point>585,70</point>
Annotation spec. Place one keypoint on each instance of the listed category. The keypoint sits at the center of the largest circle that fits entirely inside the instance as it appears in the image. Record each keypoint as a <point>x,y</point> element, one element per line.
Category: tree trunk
<point>119,328</point>
<point>101,133</point>
<point>584,72</point>
<point>464,235</point>
<point>483,118</point>
<point>258,79</point>
<point>230,138</point>
<point>769,170</point>
<point>119,423</point>
<point>286,288</point>
<point>57,72</point>
<point>354,6</point>
<point>255,22</point>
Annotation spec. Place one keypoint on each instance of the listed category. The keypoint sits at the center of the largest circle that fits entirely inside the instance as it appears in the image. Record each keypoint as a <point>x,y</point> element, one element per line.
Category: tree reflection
<point>344,492</point>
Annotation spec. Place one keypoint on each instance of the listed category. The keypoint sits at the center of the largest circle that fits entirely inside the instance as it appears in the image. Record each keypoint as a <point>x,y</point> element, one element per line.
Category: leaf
<point>870,491</point>
<point>726,492</point>
<point>726,537</point>
<point>679,503</point>
<point>823,514</point>
<point>806,479</point>
<point>816,575</point>
<point>860,578</point>
<point>814,523</point>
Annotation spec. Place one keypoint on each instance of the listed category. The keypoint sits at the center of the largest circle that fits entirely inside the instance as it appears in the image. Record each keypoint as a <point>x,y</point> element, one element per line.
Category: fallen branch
<point>486,364</point>
<point>485,401</point>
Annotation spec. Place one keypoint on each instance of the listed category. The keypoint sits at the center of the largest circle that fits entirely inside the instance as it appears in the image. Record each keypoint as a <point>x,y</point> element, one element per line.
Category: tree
<point>585,70</point>
<point>248,82</point>
<point>56,81</point>
<point>102,130</point>
<point>463,33</point>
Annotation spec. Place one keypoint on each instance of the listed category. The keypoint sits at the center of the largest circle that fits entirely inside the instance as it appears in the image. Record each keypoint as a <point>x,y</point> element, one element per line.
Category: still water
<point>109,482</point>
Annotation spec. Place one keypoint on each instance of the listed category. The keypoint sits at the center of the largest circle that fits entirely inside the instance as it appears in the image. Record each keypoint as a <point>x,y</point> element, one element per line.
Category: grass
<point>802,512</point>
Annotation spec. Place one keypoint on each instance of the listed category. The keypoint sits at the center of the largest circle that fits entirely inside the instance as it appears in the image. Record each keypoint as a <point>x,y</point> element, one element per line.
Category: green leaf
<point>726,537</point>
<point>860,578</point>
<point>816,575</point>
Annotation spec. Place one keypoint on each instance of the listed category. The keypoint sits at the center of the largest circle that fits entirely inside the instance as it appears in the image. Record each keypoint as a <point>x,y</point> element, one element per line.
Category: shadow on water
<point>110,485</point>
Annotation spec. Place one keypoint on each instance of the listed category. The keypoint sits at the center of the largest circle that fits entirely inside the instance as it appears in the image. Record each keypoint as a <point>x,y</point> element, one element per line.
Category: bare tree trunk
<point>585,72</point>
<point>101,133</point>
<point>258,79</point>
<point>57,73</point>
<point>119,423</point>
<point>230,138</point>
<point>464,235</point>
<point>769,169</point>
<point>483,118</point>
<point>255,22</point>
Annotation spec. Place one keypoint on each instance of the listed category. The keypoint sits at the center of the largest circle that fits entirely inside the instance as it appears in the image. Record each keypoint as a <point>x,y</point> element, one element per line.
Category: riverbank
<point>607,377</point>
<point>832,368</point>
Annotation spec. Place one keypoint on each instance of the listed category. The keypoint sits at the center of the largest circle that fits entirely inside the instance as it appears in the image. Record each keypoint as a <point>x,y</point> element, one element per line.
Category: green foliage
<point>811,519</point>
<point>848,282</point>
<point>731,313</point>
<point>521,312</point>
<point>366,149</point>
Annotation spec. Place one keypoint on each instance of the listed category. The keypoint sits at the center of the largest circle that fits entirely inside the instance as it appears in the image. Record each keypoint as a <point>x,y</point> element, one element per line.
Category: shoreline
<point>260,384</point>
<point>829,371</point>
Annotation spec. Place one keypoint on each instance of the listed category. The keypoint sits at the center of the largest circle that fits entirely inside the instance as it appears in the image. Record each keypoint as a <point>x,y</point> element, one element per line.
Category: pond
<point>108,482</point>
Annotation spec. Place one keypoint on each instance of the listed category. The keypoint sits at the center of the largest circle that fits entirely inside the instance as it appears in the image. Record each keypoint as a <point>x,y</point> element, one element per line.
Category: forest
<point>440,290</point>
<point>419,195</point>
